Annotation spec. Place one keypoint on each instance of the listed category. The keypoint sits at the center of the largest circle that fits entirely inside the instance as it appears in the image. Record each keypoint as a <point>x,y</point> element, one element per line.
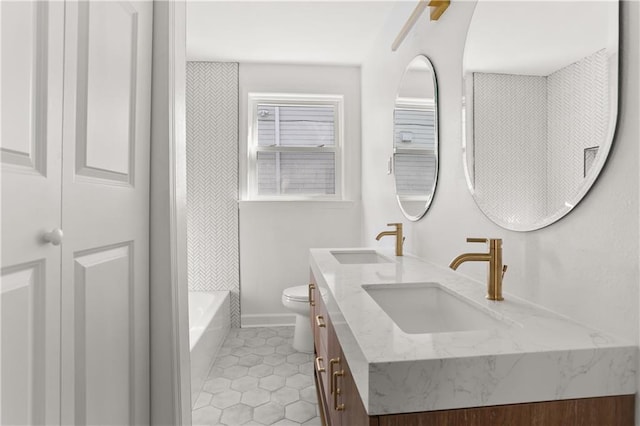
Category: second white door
<point>105,211</point>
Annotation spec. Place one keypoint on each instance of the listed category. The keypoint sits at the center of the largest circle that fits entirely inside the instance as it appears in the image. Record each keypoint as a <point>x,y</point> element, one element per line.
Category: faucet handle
<point>394,224</point>
<point>504,269</point>
<point>477,240</point>
<point>492,242</point>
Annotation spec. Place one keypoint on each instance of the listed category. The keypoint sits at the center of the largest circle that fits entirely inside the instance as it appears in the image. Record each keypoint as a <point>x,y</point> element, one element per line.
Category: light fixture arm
<point>439,6</point>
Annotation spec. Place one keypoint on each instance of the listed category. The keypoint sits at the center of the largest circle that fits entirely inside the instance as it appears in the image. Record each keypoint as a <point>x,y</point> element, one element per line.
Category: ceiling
<point>314,32</point>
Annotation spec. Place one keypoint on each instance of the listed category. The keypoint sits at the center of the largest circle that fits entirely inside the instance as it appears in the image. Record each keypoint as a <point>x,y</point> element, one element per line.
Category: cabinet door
<point>105,256</point>
<point>32,65</point>
<point>353,412</point>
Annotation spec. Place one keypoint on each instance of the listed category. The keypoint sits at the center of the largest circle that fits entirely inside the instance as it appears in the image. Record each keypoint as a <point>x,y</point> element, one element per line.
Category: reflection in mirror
<point>415,144</point>
<point>540,104</point>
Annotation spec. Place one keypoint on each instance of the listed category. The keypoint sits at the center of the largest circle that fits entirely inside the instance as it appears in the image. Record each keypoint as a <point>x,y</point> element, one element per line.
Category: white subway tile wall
<point>212,180</point>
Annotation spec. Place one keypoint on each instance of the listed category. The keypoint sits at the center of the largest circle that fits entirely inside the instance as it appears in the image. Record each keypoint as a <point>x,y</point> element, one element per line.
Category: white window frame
<point>337,101</point>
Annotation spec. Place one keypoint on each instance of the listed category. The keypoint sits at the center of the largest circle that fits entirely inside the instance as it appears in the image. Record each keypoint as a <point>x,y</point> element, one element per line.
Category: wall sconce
<point>438,8</point>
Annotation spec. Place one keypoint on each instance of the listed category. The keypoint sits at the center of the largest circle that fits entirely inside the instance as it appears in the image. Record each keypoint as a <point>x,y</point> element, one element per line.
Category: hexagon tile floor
<point>259,379</point>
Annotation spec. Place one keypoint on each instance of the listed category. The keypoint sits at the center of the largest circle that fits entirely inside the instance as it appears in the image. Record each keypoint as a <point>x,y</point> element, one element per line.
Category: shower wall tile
<point>212,180</point>
<point>578,118</point>
<point>530,133</point>
<point>510,130</point>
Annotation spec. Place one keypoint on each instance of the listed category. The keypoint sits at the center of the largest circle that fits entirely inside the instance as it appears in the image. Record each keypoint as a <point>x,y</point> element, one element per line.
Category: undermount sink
<point>427,308</point>
<point>351,257</point>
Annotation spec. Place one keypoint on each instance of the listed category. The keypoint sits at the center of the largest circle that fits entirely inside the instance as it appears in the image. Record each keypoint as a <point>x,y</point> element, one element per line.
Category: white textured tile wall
<point>510,133</point>
<point>577,118</point>
<point>530,136</point>
<point>212,180</point>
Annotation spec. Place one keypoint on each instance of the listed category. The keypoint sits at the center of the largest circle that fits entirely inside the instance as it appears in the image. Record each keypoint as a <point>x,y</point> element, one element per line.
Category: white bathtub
<point>209,323</point>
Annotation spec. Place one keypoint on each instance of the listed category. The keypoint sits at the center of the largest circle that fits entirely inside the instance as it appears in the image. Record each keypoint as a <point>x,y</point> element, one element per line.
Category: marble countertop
<point>537,355</point>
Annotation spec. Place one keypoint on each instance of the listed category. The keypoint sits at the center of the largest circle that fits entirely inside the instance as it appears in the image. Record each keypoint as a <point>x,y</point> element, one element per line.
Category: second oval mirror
<point>415,138</point>
<point>540,106</point>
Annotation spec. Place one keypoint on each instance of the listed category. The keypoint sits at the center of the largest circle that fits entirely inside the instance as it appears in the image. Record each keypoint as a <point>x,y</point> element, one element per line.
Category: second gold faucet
<point>397,233</point>
<point>496,269</point>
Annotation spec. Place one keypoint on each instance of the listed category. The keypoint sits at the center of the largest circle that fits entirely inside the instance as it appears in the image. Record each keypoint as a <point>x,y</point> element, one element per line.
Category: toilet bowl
<point>296,299</point>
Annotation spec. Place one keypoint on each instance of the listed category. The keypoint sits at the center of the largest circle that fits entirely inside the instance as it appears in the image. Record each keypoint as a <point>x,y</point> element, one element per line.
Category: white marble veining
<point>535,355</point>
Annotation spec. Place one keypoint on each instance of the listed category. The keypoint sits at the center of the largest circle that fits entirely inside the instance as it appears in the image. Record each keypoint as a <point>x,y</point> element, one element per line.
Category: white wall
<point>275,237</point>
<point>586,265</point>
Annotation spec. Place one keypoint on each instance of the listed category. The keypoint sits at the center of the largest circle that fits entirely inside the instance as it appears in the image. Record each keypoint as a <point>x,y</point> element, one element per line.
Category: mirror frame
<point>596,167</point>
<point>415,218</point>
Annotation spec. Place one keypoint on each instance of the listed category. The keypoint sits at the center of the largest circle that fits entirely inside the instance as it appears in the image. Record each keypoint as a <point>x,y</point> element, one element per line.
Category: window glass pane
<point>307,173</point>
<point>415,174</point>
<point>266,125</point>
<point>296,173</point>
<point>267,173</point>
<point>290,125</point>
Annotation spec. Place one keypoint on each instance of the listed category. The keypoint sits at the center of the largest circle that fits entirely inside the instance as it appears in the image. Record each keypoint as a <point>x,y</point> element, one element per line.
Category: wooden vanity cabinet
<point>338,396</point>
<point>603,411</point>
<point>347,408</point>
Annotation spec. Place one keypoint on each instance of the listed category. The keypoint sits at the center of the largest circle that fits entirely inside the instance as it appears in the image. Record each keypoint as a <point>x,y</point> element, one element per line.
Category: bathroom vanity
<point>400,341</point>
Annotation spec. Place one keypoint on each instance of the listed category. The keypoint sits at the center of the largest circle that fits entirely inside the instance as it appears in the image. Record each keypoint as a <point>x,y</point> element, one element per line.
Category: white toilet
<point>296,299</point>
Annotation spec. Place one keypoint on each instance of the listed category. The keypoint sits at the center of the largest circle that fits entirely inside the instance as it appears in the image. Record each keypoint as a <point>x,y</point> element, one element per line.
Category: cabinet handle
<point>312,287</point>
<point>320,321</point>
<point>318,367</point>
<point>334,379</point>
<point>331,363</point>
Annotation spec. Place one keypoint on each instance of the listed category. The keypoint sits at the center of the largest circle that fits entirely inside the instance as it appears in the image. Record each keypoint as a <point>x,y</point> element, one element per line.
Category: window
<point>295,146</point>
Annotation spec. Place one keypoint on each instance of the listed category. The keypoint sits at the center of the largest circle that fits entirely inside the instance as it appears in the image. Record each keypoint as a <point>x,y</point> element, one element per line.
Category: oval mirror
<point>539,107</point>
<point>415,138</point>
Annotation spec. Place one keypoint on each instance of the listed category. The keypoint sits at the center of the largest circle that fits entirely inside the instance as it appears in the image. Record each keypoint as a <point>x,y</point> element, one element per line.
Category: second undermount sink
<point>427,308</point>
<point>351,257</point>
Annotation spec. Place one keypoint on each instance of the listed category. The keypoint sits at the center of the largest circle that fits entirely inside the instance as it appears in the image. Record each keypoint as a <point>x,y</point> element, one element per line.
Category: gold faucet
<point>397,233</point>
<point>494,257</point>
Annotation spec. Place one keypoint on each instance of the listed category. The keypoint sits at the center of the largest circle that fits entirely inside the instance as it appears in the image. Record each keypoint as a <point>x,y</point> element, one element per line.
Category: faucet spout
<point>469,257</point>
<point>385,234</point>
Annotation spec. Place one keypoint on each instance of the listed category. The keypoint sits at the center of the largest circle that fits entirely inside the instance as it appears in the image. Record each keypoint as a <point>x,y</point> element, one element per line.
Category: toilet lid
<point>298,293</point>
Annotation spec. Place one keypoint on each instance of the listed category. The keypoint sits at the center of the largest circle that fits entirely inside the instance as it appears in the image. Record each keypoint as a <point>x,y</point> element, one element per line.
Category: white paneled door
<point>105,199</point>
<point>31,95</point>
<point>75,156</point>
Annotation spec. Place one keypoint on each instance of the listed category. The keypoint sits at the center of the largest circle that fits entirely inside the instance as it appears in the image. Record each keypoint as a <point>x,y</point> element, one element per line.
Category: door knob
<point>54,237</point>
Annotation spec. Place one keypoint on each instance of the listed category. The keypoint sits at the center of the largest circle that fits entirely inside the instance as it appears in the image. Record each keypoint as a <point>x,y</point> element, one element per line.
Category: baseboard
<point>267,320</point>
